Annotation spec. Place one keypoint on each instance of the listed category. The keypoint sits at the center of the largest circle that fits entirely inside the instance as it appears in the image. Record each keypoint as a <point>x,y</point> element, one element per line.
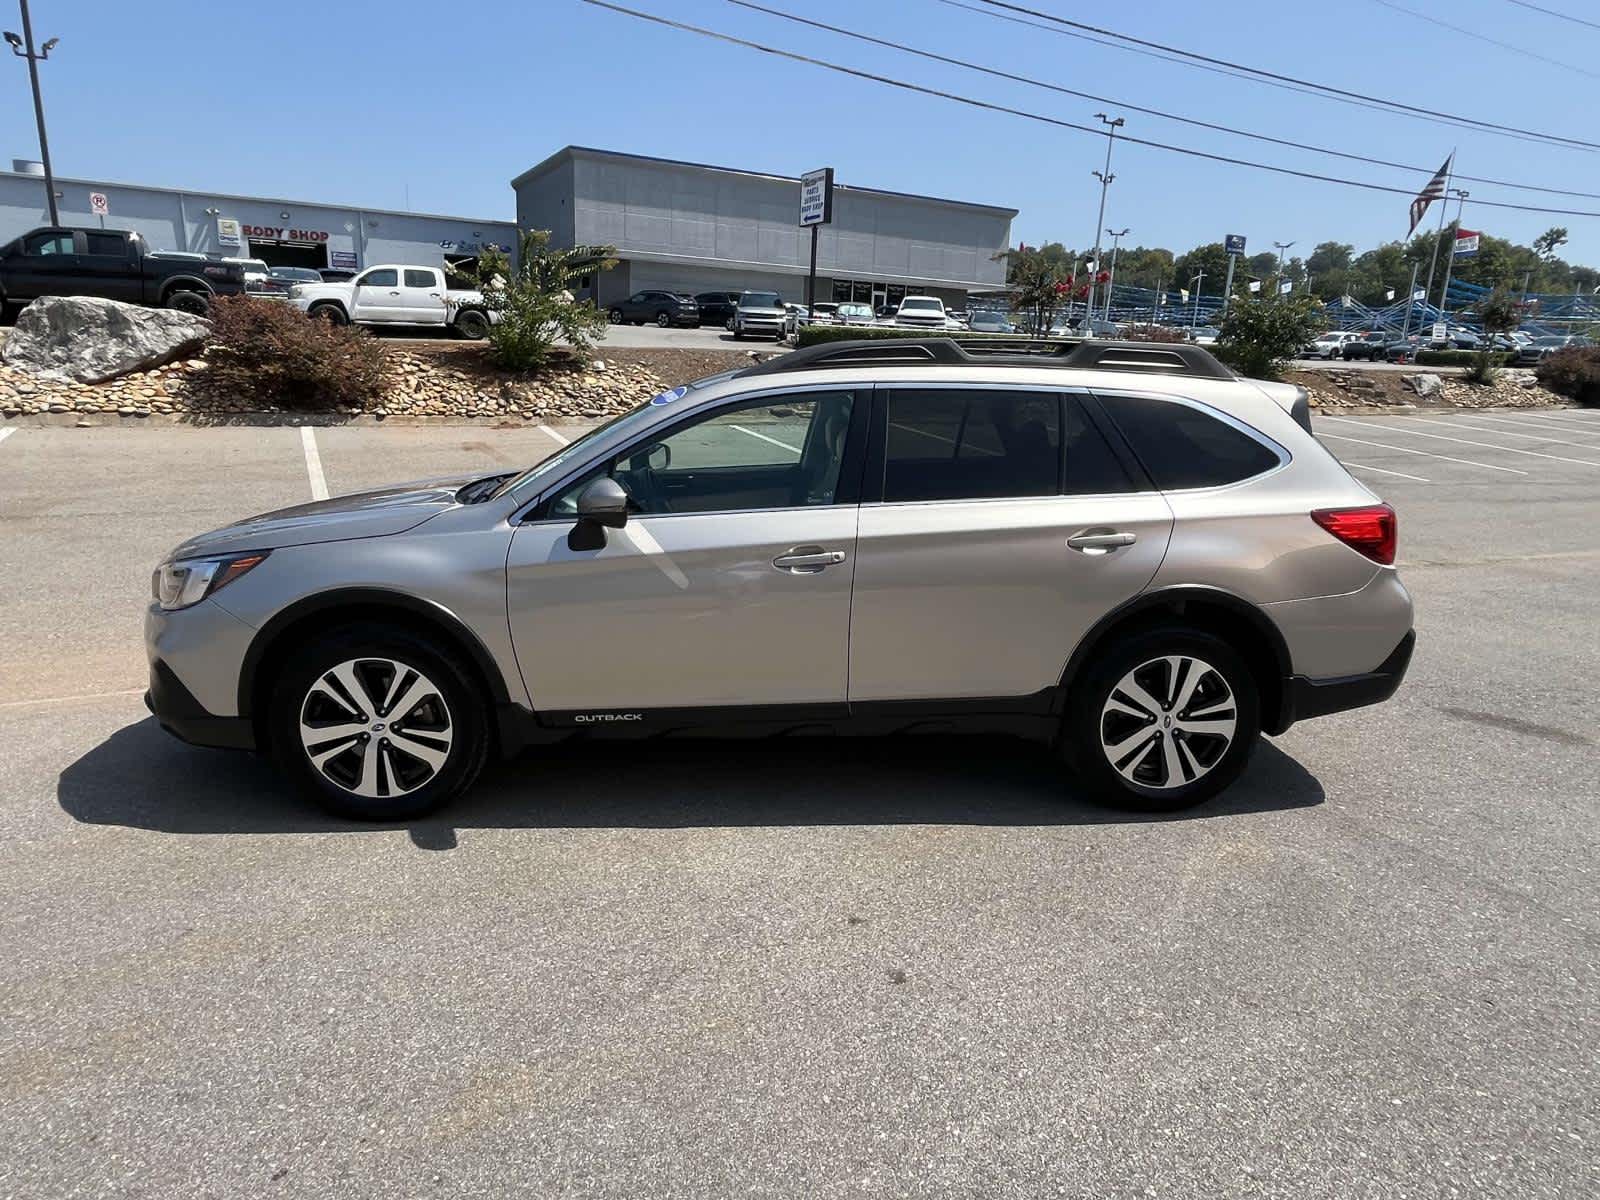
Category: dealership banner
<point>1466,243</point>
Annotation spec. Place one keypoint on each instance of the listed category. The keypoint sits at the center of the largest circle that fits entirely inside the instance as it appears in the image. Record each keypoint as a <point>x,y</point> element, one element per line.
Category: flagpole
<point>1411,300</point>
<point>1433,260</point>
<point>1450,262</point>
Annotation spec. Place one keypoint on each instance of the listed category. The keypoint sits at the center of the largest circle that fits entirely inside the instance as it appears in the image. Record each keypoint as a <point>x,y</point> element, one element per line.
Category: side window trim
<point>1089,405</point>
<point>848,488</point>
<point>1267,443</point>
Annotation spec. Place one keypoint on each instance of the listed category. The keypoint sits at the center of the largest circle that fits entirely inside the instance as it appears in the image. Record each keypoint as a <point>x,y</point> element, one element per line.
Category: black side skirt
<point>1304,698</point>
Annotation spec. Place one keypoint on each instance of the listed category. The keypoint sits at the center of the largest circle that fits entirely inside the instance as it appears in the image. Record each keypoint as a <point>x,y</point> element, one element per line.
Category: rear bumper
<point>186,719</point>
<point>1304,698</point>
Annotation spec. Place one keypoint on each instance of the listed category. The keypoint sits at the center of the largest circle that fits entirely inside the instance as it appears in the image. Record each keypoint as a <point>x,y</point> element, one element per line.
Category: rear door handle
<point>1101,543</point>
<point>808,560</point>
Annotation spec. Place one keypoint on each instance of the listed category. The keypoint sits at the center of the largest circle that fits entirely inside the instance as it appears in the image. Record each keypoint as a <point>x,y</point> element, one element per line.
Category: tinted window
<point>420,279</point>
<point>761,300</point>
<point>48,243</point>
<point>971,444</point>
<point>1183,447</point>
<point>1092,469</point>
<point>771,453</point>
<point>385,278</point>
<point>107,245</point>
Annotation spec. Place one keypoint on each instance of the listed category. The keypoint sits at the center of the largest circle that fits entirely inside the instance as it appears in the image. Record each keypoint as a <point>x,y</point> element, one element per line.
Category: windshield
<point>919,303</point>
<point>760,300</point>
<point>552,467</point>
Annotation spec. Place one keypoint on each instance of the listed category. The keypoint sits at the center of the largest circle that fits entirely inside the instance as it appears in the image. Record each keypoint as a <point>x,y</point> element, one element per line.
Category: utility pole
<point>1282,246</point>
<point>1450,262</point>
<point>23,48</point>
<point>1199,279</point>
<point>1155,302</point>
<point>1227,286</point>
<point>1411,299</point>
<point>1105,177</point>
<point>1433,260</point>
<point>1116,241</point>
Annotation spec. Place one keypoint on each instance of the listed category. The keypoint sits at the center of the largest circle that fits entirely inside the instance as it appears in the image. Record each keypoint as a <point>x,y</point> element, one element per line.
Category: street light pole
<point>1105,177</point>
<point>1281,247</point>
<point>1116,242</point>
<point>1199,279</point>
<point>23,48</point>
<point>1450,262</point>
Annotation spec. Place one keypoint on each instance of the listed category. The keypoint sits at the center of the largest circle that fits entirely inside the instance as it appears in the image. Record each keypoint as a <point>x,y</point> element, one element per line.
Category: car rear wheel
<point>1163,720</point>
<point>472,324</point>
<point>378,723</point>
<point>728,324</point>
<point>194,303</point>
<point>615,316</point>
<point>663,319</point>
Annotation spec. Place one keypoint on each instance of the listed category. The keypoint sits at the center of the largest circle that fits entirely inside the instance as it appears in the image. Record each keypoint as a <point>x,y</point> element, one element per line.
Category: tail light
<point>1372,529</point>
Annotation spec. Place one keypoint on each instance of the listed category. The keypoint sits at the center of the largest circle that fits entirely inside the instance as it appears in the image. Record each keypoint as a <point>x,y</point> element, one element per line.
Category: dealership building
<point>687,227</point>
<point>677,226</point>
<point>286,233</point>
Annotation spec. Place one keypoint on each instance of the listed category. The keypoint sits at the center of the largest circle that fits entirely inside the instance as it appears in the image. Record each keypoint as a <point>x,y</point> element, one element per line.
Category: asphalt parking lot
<point>913,968</point>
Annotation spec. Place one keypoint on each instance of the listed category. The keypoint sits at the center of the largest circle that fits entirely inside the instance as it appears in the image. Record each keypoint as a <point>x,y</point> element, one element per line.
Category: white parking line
<point>939,437</point>
<point>1546,433</point>
<point>774,441</point>
<point>554,436</point>
<point>319,483</point>
<point>1582,462</point>
<point>73,699</point>
<point>1536,421</point>
<point>7,432</point>
<point>1498,432</point>
<point>1382,470</point>
<point>1425,453</point>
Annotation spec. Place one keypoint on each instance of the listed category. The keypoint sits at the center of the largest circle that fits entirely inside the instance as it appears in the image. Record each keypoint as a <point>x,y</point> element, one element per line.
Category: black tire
<point>663,320</point>
<point>467,718</point>
<point>728,324</point>
<point>472,324</point>
<point>615,316</point>
<point>1086,724</point>
<point>197,304</point>
<point>331,313</point>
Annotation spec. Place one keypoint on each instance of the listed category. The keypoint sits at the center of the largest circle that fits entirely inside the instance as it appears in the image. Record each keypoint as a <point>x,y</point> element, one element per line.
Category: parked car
<point>1541,348</point>
<point>795,315</point>
<point>1149,563</point>
<point>114,264</point>
<point>397,294</point>
<point>989,322</point>
<point>760,313</point>
<point>1329,345</point>
<point>716,308</point>
<point>854,314</point>
<point>294,275</point>
<point>823,313</point>
<point>921,312</point>
<point>335,274</point>
<point>1368,346</point>
<point>1204,335</point>
<point>658,308</point>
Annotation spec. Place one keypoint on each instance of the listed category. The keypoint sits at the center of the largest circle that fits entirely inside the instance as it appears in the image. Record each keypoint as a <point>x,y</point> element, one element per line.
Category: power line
<point>1550,12</point>
<point>1261,73</point>
<point>1483,37</point>
<point>990,106</point>
<point>1123,104</point>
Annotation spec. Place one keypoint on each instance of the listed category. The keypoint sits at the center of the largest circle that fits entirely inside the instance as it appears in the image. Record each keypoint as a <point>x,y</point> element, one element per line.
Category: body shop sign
<point>816,197</point>
<point>282,233</point>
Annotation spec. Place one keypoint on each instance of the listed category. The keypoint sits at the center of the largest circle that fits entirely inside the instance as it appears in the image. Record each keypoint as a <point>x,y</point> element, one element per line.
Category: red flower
<point>1103,277</point>
<point>1061,289</point>
<point>1083,291</point>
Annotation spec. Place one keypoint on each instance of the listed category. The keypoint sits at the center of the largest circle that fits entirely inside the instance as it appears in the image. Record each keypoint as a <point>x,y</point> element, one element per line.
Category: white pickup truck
<point>396,294</point>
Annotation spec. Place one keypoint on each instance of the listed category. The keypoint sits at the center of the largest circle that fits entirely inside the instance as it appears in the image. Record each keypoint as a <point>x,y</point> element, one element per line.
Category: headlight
<point>191,580</point>
<point>296,291</point>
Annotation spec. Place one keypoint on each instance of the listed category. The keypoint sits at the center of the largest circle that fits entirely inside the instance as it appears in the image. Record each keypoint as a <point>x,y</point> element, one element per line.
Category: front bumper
<point>1304,698</point>
<point>186,719</point>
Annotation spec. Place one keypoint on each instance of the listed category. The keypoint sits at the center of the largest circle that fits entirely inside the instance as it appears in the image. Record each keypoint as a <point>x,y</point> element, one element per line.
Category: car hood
<point>377,513</point>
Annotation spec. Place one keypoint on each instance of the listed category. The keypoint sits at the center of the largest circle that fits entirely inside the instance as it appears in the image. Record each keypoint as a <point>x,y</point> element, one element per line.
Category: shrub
<point>1154,333</point>
<point>1259,337</point>
<point>1573,373</point>
<point>532,304</point>
<point>272,352</point>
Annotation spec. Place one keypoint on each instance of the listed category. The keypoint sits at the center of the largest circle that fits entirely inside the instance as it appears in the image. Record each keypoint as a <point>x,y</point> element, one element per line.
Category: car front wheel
<point>1163,720</point>
<point>615,316</point>
<point>378,723</point>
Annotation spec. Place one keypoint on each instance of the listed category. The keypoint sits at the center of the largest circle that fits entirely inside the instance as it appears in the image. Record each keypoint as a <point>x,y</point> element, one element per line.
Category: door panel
<point>684,611</point>
<point>422,298</point>
<point>377,296</point>
<point>44,267</point>
<point>985,598</point>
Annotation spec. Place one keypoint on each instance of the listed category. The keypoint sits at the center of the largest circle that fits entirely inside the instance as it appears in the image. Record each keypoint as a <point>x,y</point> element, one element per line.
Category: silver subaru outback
<point>1119,549</point>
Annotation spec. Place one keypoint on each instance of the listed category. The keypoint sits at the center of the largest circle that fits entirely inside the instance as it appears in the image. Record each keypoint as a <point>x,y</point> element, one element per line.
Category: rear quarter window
<point>1184,447</point>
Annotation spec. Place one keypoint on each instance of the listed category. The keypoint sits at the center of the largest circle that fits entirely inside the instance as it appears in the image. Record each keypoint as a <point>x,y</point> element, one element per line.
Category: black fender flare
<point>184,283</point>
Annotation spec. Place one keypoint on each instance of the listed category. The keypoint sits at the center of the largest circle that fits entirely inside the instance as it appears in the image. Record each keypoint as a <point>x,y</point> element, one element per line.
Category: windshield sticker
<point>676,393</point>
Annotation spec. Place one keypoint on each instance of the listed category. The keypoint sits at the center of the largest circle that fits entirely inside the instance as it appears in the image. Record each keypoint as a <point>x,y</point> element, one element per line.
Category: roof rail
<point>1151,358</point>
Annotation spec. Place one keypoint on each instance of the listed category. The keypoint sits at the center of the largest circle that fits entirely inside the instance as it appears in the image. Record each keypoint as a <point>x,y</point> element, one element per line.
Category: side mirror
<point>603,503</point>
<point>658,457</point>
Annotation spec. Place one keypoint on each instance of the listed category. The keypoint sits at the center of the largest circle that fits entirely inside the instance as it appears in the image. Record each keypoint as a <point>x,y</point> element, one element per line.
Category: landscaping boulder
<point>90,340</point>
<point>1426,385</point>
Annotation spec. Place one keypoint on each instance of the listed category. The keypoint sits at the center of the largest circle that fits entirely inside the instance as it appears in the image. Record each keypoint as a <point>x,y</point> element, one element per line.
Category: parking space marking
<point>1499,433</point>
<point>1547,433</point>
<point>774,441</point>
<point>7,431</point>
<point>319,482</point>
<point>1534,421</point>
<point>1382,470</point>
<point>117,695</point>
<point>939,437</point>
<point>1582,462</point>
<point>554,436</point>
<point>1425,454</point>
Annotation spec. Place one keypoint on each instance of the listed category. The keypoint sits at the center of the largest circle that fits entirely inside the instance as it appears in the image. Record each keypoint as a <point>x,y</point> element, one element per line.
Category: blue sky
<point>371,102</point>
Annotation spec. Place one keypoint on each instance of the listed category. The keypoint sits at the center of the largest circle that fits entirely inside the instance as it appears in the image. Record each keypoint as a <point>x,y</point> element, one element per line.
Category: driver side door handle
<point>1101,542</point>
<point>808,560</point>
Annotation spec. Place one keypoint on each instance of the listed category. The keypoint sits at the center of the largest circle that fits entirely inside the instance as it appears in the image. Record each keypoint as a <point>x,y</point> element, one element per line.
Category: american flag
<point>1434,191</point>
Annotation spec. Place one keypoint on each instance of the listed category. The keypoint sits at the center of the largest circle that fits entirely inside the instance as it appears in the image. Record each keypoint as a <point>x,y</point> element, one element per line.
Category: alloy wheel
<point>375,727</point>
<point>1168,722</point>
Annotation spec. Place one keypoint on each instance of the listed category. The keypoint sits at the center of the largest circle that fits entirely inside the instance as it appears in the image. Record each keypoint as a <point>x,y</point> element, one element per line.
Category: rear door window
<point>106,245</point>
<point>419,279</point>
<point>1184,447</point>
<point>971,444</point>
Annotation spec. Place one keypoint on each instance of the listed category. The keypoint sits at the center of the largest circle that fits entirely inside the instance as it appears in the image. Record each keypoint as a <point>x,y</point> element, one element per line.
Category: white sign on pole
<point>1439,331</point>
<point>99,205</point>
<point>228,232</point>
<point>816,197</point>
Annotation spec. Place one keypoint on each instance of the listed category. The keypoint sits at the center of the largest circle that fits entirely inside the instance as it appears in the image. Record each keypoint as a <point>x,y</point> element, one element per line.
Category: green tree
<point>1259,336</point>
<point>1548,242</point>
<point>1040,281</point>
<point>1500,313</point>
<point>532,305</point>
<point>1330,256</point>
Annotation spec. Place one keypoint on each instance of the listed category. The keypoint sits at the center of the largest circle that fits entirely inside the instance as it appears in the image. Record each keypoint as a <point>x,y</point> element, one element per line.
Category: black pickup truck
<point>115,264</point>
